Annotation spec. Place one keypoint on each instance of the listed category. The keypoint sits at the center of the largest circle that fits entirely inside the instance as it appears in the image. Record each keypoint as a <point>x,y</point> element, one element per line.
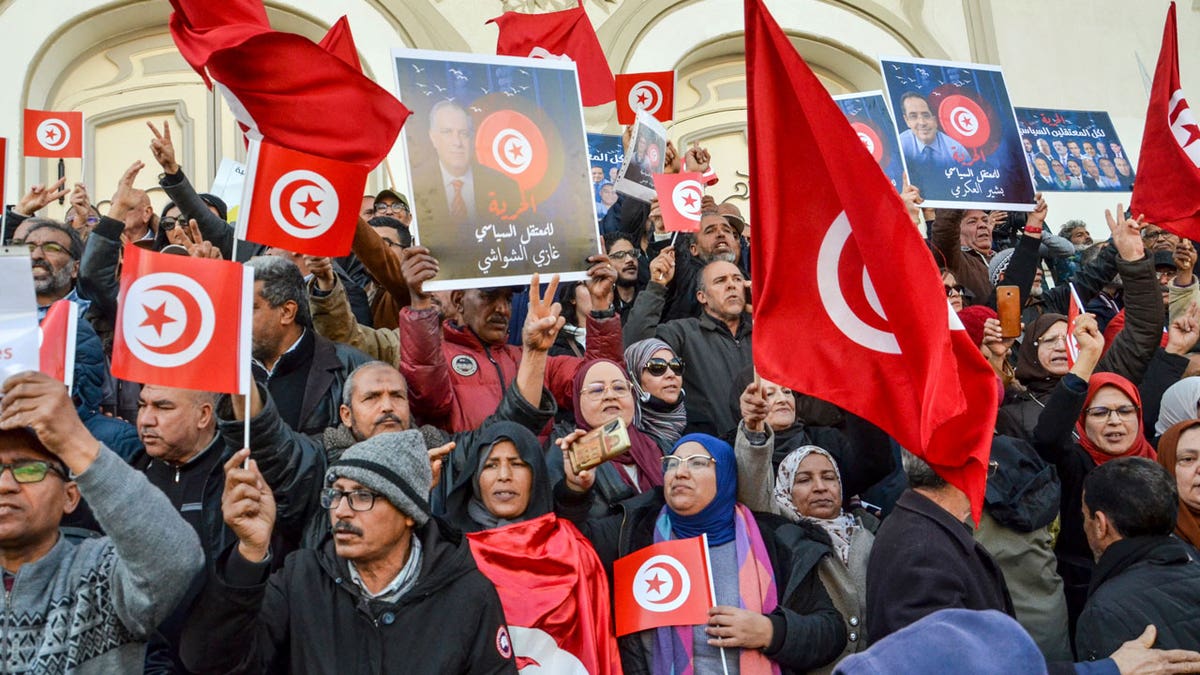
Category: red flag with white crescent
<point>1167,188</point>
<point>57,341</point>
<point>652,92</point>
<point>667,584</point>
<point>679,198</point>
<point>300,202</point>
<point>555,596</point>
<point>1073,311</point>
<point>566,34</point>
<point>53,134</point>
<point>912,368</point>
<point>183,322</point>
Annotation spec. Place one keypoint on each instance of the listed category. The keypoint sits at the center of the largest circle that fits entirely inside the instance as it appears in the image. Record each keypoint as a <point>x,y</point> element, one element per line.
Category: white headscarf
<point>1178,404</point>
<point>841,527</point>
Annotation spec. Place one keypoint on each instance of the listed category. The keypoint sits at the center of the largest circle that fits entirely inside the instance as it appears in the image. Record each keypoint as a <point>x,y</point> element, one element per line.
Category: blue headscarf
<point>716,519</point>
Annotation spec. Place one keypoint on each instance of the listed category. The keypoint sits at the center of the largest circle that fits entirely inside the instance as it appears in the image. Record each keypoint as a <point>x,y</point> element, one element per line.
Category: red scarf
<point>1141,447</point>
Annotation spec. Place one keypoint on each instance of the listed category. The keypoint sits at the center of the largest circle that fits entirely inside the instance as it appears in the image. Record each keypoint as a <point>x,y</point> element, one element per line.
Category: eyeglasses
<point>30,471</point>
<point>393,244</point>
<point>47,247</point>
<point>658,367</point>
<point>671,463</point>
<point>168,223</point>
<point>383,207</point>
<point>951,290</point>
<point>1156,234</point>
<point>596,390</point>
<point>621,255</point>
<point>1061,340</point>
<point>360,500</point>
<point>1100,412</point>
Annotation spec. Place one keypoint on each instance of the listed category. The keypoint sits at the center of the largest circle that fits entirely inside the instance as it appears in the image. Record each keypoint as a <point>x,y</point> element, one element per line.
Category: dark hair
<point>920,474</point>
<point>395,223</point>
<point>613,237</point>
<point>282,282</point>
<point>76,248</point>
<point>566,298</point>
<point>1137,494</point>
<point>912,94</point>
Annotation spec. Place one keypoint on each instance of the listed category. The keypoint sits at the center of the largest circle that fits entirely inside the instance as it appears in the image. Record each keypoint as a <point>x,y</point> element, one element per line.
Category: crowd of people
<point>398,436</point>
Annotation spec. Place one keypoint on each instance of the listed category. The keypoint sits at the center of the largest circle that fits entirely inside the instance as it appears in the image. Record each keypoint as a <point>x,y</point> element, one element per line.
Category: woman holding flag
<point>772,612</point>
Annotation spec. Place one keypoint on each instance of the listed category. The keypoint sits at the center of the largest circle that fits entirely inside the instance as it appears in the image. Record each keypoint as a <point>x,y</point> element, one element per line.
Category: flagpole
<point>247,375</point>
<point>712,594</point>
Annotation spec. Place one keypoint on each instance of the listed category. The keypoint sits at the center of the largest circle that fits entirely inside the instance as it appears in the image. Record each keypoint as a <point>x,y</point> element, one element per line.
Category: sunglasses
<point>31,471</point>
<point>950,290</point>
<point>658,367</point>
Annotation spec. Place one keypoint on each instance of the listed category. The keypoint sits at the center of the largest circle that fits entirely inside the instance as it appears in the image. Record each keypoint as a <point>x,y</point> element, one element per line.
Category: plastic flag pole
<point>712,595</point>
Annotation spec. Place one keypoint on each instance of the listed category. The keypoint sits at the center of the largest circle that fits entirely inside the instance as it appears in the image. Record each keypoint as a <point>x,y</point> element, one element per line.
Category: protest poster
<point>958,134</point>
<point>498,167</point>
<point>649,142</point>
<point>229,184</point>
<point>606,154</point>
<point>18,313</point>
<point>1074,151</point>
<point>868,115</point>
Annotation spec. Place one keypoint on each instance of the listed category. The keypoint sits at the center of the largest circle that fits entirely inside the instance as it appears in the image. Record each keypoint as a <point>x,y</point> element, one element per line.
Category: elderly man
<point>80,605</point>
<point>962,241</point>
<point>718,342</point>
<point>948,569</point>
<point>394,592</point>
<point>719,238</point>
<point>1143,575</point>
<point>393,205</point>
<point>303,371</point>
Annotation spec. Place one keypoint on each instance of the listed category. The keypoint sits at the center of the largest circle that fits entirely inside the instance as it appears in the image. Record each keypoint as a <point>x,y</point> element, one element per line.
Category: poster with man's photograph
<point>1074,151</point>
<point>870,118</point>
<point>606,154</point>
<point>499,167</point>
<point>647,156</point>
<point>958,134</point>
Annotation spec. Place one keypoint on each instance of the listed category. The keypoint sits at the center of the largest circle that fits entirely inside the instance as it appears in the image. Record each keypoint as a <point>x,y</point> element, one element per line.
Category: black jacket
<point>1137,582</point>
<point>310,617</point>
<point>331,364</point>
<point>808,631</point>
<point>924,560</point>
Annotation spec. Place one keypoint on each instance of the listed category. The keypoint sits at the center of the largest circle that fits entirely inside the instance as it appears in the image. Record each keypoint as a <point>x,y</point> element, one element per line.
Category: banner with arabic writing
<point>499,167</point>
<point>868,115</point>
<point>958,134</point>
<point>1074,151</point>
<point>606,153</point>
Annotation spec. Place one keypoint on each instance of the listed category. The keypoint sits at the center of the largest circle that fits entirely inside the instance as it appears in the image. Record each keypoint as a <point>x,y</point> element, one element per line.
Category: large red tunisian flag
<point>1167,188</point>
<point>286,88</point>
<point>555,35</point>
<point>183,322</point>
<point>552,586</point>
<point>893,353</point>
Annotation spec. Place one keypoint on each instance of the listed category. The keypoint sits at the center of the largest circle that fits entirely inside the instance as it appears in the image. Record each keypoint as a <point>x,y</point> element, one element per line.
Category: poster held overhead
<point>1074,151</point>
<point>646,157</point>
<point>870,118</point>
<point>18,313</point>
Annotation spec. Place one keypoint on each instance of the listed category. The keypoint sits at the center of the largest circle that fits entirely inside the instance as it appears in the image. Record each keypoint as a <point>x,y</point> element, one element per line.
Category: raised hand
<point>42,404</point>
<point>1126,234</point>
<point>1183,331</point>
<point>40,196</point>
<point>437,457</point>
<point>697,158</point>
<point>544,319</point>
<point>671,162</point>
<point>163,148</point>
<point>126,199</point>
<point>602,276</point>
<point>248,506</point>
<point>576,482</point>
<point>322,270</point>
<point>754,407</point>
<point>418,266</point>
<point>1037,217</point>
<point>1185,262</point>
<point>662,268</point>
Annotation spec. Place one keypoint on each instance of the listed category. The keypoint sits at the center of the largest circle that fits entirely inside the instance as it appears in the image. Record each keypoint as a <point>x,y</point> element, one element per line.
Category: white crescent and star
<point>512,151</point>
<point>167,319</point>
<point>687,196</point>
<point>964,121</point>
<point>661,584</point>
<point>1184,126</point>
<point>53,134</point>
<point>646,95</point>
<point>304,204</point>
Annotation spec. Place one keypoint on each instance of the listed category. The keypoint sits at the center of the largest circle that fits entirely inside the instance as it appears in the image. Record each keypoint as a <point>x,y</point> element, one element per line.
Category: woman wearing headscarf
<point>772,611</point>
<point>1181,402</point>
<point>602,391</point>
<point>657,376</point>
<point>546,573</point>
<point>1179,453</point>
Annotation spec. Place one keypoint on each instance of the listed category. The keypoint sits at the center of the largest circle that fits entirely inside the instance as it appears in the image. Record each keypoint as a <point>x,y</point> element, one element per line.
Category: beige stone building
<point>114,61</point>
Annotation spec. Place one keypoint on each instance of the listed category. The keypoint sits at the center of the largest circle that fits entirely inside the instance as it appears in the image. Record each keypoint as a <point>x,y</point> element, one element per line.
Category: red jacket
<point>455,381</point>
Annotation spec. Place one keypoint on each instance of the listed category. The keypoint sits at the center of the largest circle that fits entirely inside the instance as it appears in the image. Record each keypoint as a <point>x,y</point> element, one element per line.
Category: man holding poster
<point>499,168</point>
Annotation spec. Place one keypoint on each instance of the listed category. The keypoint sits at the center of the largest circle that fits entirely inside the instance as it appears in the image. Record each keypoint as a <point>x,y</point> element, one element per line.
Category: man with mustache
<point>396,591</point>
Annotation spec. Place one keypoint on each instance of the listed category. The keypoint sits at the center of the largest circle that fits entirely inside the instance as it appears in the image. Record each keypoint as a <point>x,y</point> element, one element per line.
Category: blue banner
<point>605,153</point>
<point>1074,151</point>
<point>868,115</point>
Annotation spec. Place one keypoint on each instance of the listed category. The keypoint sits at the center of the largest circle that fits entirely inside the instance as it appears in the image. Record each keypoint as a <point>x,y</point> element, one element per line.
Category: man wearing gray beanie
<point>390,592</point>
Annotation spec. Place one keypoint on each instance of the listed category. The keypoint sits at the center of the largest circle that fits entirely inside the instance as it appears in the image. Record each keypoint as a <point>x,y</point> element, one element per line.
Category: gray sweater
<point>88,606</point>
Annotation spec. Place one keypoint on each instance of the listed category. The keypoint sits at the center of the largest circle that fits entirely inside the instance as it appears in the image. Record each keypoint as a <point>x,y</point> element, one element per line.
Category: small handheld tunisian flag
<point>183,322</point>
<point>928,386</point>
<point>1167,188</point>
<point>53,134</point>
<point>667,584</point>
<point>58,335</point>
<point>556,35</point>
<point>1073,312</point>
<point>300,202</point>
<point>652,92</point>
<point>555,595</point>
<point>679,196</point>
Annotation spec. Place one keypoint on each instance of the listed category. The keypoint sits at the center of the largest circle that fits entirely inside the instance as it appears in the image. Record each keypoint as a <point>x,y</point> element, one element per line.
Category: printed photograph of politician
<point>958,134</point>
<point>647,157</point>
<point>606,154</point>
<point>499,168</point>
<point>1074,151</point>
<point>868,115</point>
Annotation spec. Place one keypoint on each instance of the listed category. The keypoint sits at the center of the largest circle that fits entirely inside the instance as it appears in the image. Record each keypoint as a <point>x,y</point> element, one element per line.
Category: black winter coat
<point>311,618</point>
<point>924,560</point>
<point>808,630</point>
<point>1141,581</point>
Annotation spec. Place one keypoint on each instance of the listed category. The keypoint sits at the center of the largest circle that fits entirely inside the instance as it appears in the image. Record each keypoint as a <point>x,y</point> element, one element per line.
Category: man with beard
<point>719,339</point>
<point>625,258</point>
<point>303,371</point>
<point>719,238</point>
